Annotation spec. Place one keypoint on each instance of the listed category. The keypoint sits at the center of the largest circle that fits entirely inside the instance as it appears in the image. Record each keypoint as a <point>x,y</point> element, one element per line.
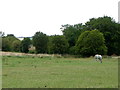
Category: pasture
<point>52,72</point>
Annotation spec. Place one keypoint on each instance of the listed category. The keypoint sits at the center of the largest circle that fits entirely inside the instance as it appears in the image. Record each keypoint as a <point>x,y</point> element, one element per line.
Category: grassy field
<point>48,72</point>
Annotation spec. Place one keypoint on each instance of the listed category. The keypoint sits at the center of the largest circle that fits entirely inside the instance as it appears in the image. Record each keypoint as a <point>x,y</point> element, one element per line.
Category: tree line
<point>98,35</point>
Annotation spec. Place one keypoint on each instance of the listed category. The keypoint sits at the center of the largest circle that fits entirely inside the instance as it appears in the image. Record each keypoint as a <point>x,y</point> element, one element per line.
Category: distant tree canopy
<point>90,43</point>
<point>16,45</point>
<point>5,44</point>
<point>98,35</point>
<point>25,44</point>
<point>40,42</point>
<point>110,30</point>
<point>59,44</point>
<point>10,43</point>
<point>49,46</point>
<point>72,32</point>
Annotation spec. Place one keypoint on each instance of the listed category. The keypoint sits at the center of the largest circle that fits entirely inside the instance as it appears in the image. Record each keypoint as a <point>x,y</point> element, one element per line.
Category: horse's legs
<point>100,60</point>
<point>96,60</point>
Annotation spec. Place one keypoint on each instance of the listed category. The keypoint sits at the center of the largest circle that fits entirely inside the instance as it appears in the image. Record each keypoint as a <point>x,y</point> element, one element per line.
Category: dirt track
<point>37,55</point>
<point>25,54</point>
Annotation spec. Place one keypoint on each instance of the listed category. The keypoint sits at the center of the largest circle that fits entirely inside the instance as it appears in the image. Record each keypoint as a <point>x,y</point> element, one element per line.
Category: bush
<point>32,51</point>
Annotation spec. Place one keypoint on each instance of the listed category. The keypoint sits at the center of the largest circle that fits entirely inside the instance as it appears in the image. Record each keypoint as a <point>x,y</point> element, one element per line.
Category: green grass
<point>47,72</point>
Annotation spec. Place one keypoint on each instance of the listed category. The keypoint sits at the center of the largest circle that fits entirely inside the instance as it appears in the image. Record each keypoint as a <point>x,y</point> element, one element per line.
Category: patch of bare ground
<point>26,54</point>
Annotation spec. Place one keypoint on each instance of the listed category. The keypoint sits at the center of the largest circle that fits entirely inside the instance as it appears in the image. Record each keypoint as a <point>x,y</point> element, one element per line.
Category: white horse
<point>98,57</point>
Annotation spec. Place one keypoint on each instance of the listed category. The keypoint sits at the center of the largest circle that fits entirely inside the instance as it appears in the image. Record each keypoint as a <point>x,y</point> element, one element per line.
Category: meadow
<point>53,72</point>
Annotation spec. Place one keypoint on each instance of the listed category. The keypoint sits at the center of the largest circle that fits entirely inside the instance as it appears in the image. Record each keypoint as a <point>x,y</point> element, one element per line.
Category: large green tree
<point>50,38</point>
<point>90,43</point>
<point>9,43</point>
<point>110,30</point>
<point>5,44</point>
<point>25,44</point>
<point>40,41</point>
<point>59,45</point>
<point>72,32</point>
<point>16,45</point>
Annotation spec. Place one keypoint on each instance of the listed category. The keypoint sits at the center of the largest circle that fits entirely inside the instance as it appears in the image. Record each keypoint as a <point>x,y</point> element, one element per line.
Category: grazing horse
<point>98,57</point>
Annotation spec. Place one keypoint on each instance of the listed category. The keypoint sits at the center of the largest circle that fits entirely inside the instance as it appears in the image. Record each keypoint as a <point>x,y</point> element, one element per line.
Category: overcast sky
<point>25,17</point>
